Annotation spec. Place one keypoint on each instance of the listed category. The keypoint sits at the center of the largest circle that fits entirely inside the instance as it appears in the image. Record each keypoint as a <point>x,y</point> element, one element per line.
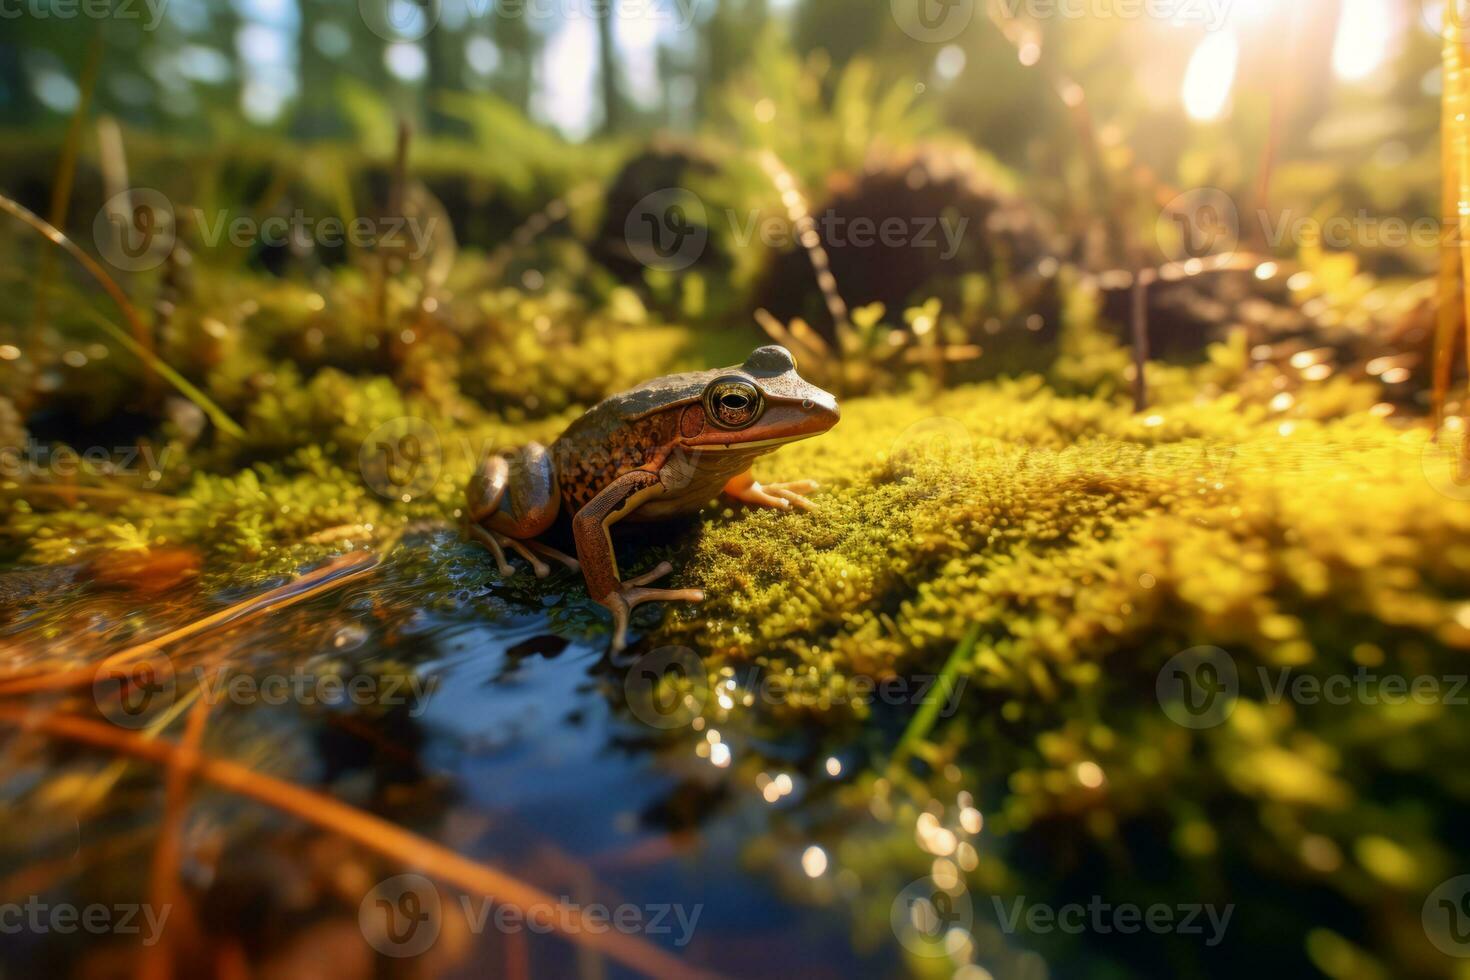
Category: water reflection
<point>481,729</point>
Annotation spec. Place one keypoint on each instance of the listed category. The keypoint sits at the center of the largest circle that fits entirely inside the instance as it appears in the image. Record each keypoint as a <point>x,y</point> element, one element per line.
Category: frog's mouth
<point>753,444</point>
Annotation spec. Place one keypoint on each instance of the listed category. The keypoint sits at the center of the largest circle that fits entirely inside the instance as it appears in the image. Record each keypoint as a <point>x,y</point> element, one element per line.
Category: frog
<point>662,450</point>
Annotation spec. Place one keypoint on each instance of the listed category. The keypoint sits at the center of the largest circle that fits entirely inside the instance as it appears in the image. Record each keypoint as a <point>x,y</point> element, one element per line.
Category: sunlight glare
<point>1210,76</point>
<point>1364,35</point>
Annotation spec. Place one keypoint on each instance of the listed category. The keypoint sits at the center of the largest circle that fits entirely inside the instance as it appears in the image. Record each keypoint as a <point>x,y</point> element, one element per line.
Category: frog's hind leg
<point>512,498</point>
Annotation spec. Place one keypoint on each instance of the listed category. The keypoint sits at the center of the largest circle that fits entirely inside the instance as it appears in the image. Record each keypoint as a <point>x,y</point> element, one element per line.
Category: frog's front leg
<point>511,499</point>
<point>745,489</point>
<point>592,525</point>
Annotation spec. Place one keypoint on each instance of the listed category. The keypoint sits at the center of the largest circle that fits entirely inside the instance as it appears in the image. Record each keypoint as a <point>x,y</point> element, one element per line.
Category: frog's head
<point>763,402</point>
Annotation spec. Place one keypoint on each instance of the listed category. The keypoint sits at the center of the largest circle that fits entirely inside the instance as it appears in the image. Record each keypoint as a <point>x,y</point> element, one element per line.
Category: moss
<point>1291,523</point>
<point>1089,545</point>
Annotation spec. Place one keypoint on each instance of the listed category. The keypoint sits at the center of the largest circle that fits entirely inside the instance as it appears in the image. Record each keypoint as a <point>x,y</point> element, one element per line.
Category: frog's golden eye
<point>732,403</point>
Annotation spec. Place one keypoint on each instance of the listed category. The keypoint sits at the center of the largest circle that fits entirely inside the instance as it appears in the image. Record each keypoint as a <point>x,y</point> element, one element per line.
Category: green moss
<point>1294,524</point>
<point>1088,545</point>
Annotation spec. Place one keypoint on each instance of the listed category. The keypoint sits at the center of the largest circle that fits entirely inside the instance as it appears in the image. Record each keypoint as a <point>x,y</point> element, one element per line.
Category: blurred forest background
<point>1321,104</point>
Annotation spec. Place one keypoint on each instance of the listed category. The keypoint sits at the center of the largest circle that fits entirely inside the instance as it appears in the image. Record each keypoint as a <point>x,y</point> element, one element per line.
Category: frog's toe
<point>537,565</point>
<point>794,492</point>
<point>755,495</point>
<point>555,555</point>
<point>782,496</point>
<point>488,540</point>
<point>497,543</point>
<point>652,575</point>
<point>632,594</point>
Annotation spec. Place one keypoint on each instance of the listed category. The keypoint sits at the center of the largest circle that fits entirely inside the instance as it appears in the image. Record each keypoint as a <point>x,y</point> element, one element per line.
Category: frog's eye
<point>732,403</point>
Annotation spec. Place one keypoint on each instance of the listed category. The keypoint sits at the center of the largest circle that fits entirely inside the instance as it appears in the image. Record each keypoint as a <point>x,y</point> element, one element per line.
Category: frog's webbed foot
<point>630,594</point>
<point>782,496</point>
<point>497,542</point>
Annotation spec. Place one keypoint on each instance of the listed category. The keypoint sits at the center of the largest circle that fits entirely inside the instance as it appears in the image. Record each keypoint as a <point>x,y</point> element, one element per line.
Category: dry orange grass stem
<point>1454,271</point>
<point>335,573</point>
<point>370,832</point>
<point>163,886</point>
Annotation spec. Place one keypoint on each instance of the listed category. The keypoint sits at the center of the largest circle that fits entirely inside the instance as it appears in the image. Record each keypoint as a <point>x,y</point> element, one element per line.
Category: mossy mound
<point>1309,547</point>
<point>1035,540</point>
<point>1009,504</point>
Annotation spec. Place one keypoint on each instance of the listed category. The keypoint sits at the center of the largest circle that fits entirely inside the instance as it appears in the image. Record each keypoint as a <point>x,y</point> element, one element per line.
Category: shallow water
<point>745,839</point>
<point>506,742</point>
